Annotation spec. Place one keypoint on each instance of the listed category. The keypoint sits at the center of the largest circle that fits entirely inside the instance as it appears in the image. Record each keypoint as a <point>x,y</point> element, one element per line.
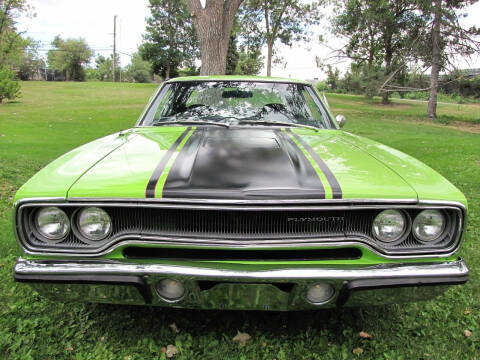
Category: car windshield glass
<point>237,103</point>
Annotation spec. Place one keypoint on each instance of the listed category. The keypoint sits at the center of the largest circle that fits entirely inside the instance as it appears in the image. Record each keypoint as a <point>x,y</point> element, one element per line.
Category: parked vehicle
<point>239,193</point>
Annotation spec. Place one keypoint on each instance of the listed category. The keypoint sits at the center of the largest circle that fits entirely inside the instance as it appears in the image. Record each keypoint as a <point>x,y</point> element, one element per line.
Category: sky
<point>93,21</point>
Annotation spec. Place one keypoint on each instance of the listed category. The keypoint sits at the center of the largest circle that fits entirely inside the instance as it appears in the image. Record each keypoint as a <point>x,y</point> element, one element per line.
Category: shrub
<point>9,88</point>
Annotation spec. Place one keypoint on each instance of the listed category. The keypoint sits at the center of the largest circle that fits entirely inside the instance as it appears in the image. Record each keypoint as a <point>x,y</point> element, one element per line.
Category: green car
<point>239,193</point>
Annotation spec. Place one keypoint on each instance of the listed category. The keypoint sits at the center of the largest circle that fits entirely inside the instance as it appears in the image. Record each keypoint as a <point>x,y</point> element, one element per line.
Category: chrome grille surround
<point>142,230</point>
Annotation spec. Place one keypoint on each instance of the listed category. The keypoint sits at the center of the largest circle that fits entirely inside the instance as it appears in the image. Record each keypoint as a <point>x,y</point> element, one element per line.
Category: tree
<point>11,46</point>
<point>170,40</point>
<point>284,20</point>
<point>104,68</point>
<point>30,62</point>
<point>232,55</point>
<point>250,61</point>
<point>139,70</point>
<point>213,24</point>
<point>9,88</point>
<point>70,56</point>
<point>380,33</point>
<point>444,39</point>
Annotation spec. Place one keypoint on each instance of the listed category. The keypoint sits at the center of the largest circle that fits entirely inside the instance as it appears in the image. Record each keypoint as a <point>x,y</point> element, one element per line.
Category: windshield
<point>237,103</point>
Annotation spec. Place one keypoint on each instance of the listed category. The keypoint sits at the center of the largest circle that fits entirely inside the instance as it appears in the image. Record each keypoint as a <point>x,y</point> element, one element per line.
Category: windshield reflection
<point>237,103</point>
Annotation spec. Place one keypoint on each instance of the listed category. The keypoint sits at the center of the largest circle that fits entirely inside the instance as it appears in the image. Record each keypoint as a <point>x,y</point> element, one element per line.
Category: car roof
<point>237,78</point>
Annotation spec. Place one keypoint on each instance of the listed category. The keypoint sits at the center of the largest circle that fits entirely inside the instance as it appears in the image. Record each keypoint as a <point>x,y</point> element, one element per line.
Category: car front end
<point>239,212</point>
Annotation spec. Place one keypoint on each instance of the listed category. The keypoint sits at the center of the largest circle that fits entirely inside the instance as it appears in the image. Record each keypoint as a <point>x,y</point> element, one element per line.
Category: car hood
<point>240,163</point>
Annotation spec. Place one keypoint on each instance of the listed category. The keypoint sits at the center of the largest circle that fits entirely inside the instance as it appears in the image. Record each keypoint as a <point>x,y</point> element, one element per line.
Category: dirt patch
<point>7,190</point>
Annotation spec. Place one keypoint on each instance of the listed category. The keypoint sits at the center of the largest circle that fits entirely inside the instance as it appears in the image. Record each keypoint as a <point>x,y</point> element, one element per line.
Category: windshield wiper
<point>190,122</point>
<point>277,123</point>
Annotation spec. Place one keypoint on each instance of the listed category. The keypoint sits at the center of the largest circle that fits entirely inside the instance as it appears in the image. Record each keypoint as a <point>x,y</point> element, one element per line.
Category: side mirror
<point>341,120</point>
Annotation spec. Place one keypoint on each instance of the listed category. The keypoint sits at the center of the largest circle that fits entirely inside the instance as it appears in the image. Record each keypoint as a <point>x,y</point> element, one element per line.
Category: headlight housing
<point>429,225</point>
<point>52,223</point>
<point>389,226</point>
<point>94,223</point>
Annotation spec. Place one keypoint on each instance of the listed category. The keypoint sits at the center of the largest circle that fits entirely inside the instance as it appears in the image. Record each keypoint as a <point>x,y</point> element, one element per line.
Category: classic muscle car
<point>239,193</point>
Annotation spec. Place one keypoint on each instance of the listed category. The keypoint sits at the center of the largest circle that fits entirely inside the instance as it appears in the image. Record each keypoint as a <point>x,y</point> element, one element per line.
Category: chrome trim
<point>111,267</point>
<point>250,201</point>
<point>266,296</point>
<point>148,240</point>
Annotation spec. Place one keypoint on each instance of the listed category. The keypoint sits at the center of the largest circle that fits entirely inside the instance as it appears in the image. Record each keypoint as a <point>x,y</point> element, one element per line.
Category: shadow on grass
<point>145,321</point>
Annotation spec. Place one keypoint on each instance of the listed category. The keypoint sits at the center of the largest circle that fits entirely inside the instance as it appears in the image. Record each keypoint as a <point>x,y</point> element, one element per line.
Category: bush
<point>9,88</point>
<point>139,70</point>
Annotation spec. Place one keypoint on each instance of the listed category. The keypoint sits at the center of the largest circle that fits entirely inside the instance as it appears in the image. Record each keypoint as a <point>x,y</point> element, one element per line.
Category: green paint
<point>163,177</point>
<point>321,175</point>
<point>239,78</point>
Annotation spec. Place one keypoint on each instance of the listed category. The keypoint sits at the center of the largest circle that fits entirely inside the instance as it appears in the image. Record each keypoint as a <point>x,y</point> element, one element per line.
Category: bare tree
<point>213,24</point>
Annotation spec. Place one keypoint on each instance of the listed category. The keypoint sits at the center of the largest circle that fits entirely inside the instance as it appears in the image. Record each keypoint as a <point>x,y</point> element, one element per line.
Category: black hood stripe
<point>332,180</point>
<point>318,183</point>
<point>152,183</point>
<point>242,163</point>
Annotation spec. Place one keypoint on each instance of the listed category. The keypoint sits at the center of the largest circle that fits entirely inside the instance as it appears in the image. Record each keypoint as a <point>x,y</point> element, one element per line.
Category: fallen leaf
<point>467,311</point>
<point>467,333</point>
<point>357,351</point>
<point>174,328</point>
<point>264,345</point>
<point>102,339</point>
<point>69,348</point>
<point>171,351</point>
<point>128,357</point>
<point>163,350</point>
<point>365,335</point>
<point>242,338</point>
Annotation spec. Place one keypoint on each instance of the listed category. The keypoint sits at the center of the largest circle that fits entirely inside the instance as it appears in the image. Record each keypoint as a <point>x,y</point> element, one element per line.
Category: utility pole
<point>114,46</point>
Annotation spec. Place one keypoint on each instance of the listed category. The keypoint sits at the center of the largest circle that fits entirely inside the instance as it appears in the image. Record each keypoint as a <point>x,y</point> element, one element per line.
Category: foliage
<point>380,33</point>
<point>189,71</point>
<point>444,40</point>
<point>139,70</point>
<point>11,42</point>
<point>285,21</point>
<point>104,68</point>
<point>170,41</point>
<point>30,62</point>
<point>32,327</point>
<point>9,88</point>
<point>250,61</point>
<point>232,55</point>
<point>70,56</point>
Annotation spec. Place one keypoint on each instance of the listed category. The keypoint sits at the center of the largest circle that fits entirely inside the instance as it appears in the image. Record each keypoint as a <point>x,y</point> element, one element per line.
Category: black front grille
<point>133,252</point>
<point>239,228</point>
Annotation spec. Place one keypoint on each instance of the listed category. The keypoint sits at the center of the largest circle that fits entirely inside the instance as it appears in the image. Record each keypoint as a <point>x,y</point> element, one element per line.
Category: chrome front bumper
<point>279,289</point>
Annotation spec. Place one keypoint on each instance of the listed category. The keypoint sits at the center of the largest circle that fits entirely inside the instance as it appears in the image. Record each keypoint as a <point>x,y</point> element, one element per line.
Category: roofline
<point>232,78</point>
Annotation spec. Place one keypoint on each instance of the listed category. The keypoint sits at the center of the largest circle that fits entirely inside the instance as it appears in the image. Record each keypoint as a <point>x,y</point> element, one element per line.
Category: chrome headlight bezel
<point>407,223</point>
<point>42,234</point>
<point>79,230</point>
<point>440,234</point>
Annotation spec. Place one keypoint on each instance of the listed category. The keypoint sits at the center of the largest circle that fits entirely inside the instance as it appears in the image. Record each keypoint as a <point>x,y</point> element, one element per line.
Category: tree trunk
<point>269,58</point>
<point>432,101</point>
<point>167,72</point>
<point>388,64</point>
<point>214,26</point>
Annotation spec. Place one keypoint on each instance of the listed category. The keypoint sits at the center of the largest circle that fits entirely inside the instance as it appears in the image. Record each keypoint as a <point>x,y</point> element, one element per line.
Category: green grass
<point>357,105</point>
<point>52,118</point>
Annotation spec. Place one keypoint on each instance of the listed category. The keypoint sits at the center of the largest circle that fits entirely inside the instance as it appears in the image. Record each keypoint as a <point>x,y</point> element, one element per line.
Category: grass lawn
<point>52,118</point>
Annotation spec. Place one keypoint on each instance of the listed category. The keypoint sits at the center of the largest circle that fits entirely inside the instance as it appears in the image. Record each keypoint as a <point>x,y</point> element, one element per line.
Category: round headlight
<point>429,225</point>
<point>389,226</point>
<point>52,223</point>
<point>94,223</point>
